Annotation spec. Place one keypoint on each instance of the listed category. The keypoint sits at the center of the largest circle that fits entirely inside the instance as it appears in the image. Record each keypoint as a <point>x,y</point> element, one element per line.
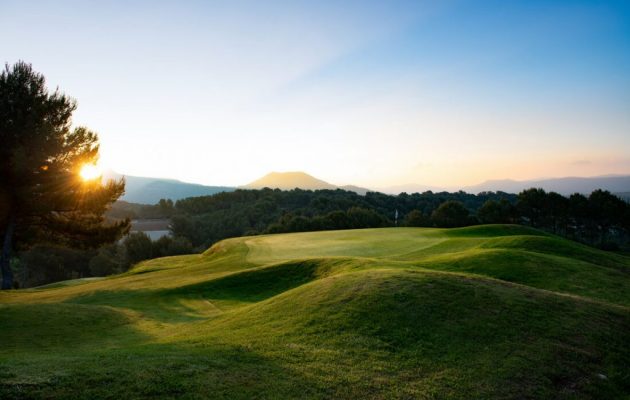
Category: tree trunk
<point>5,257</point>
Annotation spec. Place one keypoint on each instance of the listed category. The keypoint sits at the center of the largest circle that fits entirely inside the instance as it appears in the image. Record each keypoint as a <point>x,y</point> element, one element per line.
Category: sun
<point>90,172</point>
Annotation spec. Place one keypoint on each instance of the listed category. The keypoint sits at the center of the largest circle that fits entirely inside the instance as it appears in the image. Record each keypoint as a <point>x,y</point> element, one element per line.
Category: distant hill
<point>357,189</point>
<point>618,184</point>
<point>301,180</point>
<point>288,181</point>
<point>565,186</point>
<point>150,190</point>
<point>624,195</point>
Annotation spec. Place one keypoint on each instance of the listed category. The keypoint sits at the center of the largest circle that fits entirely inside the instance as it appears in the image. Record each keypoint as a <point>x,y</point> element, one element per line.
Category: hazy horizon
<point>111,174</point>
<point>372,94</point>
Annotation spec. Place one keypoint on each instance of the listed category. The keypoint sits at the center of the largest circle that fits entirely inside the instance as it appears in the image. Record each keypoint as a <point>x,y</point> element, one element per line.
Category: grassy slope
<point>491,311</point>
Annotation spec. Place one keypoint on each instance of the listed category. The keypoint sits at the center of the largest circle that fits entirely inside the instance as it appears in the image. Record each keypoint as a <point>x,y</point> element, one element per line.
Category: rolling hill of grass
<point>482,312</point>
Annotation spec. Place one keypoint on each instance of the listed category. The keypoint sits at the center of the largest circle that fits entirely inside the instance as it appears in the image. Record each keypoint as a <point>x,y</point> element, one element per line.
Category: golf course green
<point>484,312</point>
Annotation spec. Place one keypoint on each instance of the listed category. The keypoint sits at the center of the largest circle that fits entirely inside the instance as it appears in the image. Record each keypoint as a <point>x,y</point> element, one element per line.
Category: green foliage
<point>602,219</point>
<point>491,311</point>
<point>109,260</point>
<point>42,197</point>
<point>171,246</point>
<point>354,218</point>
<point>450,214</point>
<point>208,219</point>
<point>417,219</point>
<point>138,247</point>
<point>532,205</point>
<point>608,210</point>
<point>43,264</point>
<point>497,212</point>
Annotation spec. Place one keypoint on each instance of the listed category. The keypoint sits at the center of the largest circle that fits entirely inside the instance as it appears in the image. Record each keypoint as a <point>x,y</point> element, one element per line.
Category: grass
<point>483,312</point>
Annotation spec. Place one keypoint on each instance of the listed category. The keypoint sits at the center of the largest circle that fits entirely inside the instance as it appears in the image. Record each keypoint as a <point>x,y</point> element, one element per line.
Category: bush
<point>109,260</point>
<point>168,246</point>
<point>45,264</point>
<point>138,247</point>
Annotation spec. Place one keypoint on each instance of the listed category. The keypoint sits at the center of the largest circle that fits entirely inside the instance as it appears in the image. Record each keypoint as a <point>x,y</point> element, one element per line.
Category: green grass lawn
<point>501,312</point>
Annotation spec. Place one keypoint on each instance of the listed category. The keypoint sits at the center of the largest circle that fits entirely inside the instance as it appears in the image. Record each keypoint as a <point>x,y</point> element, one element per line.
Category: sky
<point>377,94</point>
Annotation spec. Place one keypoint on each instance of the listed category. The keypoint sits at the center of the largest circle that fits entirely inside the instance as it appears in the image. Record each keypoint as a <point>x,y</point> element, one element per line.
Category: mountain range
<point>565,186</point>
<point>150,190</point>
<point>145,190</point>
<point>619,184</point>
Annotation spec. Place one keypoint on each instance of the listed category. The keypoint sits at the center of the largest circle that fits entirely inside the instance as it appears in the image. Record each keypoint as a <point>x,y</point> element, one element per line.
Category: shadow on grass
<point>162,371</point>
<point>72,327</point>
<point>193,302</point>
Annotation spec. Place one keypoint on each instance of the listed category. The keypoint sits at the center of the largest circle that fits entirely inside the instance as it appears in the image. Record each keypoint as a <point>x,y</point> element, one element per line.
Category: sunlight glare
<point>90,172</point>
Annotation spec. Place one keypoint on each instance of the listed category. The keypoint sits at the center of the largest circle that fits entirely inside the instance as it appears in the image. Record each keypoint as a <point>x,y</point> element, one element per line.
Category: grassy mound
<point>483,312</point>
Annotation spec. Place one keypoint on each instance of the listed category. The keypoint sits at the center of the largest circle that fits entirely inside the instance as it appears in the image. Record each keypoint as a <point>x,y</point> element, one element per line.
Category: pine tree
<point>42,197</point>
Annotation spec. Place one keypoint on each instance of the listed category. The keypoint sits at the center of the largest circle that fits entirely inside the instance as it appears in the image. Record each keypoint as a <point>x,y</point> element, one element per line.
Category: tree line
<point>46,263</point>
<point>600,219</point>
<point>207,219</point>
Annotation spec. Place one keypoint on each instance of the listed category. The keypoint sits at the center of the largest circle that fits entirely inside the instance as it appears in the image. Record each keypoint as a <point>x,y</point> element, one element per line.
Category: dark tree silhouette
<point>607,210</point>
<point>417,218</point>
<point>496,212</point>
<point>42,197</point>
<point>138,247</point>
<point>557,212</point>
<point>450,214</point>
<point>532,204</point>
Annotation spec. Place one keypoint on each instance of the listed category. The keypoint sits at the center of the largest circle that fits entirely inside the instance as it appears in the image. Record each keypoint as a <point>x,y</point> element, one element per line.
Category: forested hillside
<point>208,219</point>
<point>600,219</point>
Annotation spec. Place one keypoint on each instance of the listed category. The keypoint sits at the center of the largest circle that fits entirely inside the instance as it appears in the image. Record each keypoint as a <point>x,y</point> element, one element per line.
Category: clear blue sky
<point>446,93</point>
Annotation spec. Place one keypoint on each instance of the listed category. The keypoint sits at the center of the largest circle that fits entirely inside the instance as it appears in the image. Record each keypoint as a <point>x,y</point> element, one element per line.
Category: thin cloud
<point>581,162</point>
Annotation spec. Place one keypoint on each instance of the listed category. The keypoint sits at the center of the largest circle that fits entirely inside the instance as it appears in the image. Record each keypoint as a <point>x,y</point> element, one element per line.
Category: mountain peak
<point>298,179</point>
<point>289,180</point>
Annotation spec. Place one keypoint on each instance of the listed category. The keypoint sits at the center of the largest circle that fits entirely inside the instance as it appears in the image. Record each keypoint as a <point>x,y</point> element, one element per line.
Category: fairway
<point>492,311</point>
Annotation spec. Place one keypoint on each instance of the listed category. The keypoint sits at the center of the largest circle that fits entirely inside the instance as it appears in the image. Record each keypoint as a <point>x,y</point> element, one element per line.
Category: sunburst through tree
<point>49,191</point>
